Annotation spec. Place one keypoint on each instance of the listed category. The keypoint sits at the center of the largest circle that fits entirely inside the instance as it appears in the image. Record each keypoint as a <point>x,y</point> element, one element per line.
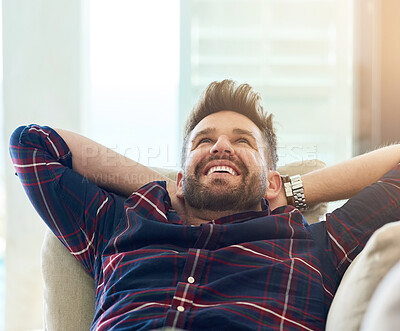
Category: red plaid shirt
<point>248,271</point>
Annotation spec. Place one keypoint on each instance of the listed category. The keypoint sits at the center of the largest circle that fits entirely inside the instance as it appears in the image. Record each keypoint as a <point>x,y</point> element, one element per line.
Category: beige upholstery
<point>383,312</point>
<point>69,290</point>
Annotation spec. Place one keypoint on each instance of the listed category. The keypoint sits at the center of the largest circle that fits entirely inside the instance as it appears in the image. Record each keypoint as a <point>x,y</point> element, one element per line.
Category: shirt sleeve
<point>79,213</point>
<point>349,227</point>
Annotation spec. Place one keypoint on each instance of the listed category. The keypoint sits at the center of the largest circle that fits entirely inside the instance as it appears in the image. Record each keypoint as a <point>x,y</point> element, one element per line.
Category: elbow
<point>15,140</point>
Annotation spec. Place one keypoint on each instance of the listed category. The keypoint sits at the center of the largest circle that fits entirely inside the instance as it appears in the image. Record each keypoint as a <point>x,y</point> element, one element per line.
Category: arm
<point>344,180</point>
<point>74,208</point>
<point>107,168</point>
<point>375,187</point>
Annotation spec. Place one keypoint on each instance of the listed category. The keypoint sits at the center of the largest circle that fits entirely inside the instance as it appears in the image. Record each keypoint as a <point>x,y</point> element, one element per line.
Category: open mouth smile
<point>222,169</point>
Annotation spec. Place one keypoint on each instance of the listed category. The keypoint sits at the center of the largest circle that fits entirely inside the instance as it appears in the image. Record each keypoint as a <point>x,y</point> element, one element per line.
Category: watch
<point>298,192</point>
<point>287,185</point>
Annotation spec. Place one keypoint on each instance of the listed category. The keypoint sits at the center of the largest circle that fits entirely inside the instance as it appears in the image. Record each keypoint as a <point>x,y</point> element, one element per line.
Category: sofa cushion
<point>383,312</point>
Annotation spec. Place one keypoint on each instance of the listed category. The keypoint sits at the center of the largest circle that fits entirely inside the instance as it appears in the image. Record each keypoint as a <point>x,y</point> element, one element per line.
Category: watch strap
<point>298,192</point>
<point>287,185</point>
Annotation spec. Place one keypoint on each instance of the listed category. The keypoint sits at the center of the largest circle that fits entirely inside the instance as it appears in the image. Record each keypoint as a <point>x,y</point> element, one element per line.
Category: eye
<point>204,141</point>
<point>243,140</point>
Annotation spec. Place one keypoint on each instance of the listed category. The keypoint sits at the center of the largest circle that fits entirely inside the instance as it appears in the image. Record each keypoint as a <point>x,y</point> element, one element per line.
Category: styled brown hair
<point>243,99</point>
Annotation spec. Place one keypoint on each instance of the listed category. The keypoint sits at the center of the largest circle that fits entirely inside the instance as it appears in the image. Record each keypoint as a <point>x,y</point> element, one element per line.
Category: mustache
<point>237,162</point>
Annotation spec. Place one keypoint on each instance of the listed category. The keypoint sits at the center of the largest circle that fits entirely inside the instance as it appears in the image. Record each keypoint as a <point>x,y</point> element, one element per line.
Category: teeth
<point>222,168</point>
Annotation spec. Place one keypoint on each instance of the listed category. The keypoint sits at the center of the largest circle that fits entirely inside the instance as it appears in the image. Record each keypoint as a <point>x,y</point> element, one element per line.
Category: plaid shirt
<point>248,271</point>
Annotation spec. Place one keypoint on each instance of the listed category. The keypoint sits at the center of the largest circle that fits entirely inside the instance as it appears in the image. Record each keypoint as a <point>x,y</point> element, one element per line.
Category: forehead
<point>226,122</point>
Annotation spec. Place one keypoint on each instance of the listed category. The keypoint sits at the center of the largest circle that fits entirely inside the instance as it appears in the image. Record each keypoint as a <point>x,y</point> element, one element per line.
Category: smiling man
<point>220,248</point>
<point>227,169</point>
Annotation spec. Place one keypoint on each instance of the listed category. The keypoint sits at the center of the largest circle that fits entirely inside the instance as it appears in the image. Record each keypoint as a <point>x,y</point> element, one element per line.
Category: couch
<point>69,290</point>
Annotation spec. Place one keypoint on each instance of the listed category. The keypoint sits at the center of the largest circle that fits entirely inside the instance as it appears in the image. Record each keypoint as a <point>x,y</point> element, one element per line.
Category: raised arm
<point>344,180</point>
<point>372,181</point>
<point>74,208</point>
<point>107,168</point>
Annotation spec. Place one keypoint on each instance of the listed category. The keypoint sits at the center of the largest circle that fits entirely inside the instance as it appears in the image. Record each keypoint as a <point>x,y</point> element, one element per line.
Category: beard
<point>219,195</point>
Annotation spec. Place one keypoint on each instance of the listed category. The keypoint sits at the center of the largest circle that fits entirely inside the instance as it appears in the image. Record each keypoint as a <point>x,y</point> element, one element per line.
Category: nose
<point>222,146</point>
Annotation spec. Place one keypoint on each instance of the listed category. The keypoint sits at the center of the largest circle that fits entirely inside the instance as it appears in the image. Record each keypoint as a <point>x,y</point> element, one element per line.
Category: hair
<point>243,99</point>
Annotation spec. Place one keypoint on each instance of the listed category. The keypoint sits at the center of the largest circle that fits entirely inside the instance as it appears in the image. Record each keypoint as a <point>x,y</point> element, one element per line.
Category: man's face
<point>225,167</point>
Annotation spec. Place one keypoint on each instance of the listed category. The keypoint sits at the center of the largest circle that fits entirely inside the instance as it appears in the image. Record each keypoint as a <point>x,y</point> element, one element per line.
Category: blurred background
<point>127,72</point>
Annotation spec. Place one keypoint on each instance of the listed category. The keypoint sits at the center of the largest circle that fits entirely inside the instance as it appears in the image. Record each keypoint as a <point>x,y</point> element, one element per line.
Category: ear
<point>275,193</point>
<point>179,183</point>
<point>274,185</point>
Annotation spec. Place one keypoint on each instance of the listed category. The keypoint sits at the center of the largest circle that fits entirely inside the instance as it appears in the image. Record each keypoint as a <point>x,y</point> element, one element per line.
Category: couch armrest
<point>68,289</point>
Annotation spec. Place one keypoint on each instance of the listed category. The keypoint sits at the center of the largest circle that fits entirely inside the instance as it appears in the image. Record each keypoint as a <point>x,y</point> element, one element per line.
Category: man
<point>220,248</point>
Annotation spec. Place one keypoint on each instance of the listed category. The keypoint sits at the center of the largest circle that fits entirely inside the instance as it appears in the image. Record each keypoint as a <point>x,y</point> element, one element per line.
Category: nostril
<point>221,147</point>
<point>218,150</point>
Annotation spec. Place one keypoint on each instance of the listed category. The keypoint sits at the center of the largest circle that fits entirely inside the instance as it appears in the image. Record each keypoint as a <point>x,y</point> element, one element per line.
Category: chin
<point>219,180</point>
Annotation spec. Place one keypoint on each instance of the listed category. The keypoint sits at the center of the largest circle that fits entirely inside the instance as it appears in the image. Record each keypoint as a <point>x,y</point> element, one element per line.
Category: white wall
<point>44,83</point>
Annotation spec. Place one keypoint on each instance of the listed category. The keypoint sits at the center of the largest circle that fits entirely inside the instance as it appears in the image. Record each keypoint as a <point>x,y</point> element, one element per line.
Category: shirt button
<point>181,309</point>
<point>191,280</point>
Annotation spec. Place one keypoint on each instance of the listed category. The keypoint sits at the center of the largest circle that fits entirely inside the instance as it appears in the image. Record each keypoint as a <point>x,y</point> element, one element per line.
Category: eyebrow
<point>204,133</point>
<point>244,132</point>
<point>212,130</point>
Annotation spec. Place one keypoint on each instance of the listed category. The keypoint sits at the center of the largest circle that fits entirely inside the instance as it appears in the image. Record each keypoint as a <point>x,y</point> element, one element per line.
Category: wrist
<point>294,191</point>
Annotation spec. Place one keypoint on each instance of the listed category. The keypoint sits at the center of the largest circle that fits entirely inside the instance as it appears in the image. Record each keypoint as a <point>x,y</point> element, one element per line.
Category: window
<point>134,63</point>
<point>298,54</point>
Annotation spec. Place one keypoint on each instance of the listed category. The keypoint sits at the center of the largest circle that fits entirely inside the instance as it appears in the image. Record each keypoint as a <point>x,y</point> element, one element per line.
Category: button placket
<point>186,290</point>
<point>208,236</point>
<point>192,273</point>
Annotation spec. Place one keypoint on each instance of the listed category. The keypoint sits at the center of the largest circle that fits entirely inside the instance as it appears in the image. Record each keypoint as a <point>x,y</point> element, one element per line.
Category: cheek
<point>249,156</point>
<point>252,159</point>
<point>194,157</point>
